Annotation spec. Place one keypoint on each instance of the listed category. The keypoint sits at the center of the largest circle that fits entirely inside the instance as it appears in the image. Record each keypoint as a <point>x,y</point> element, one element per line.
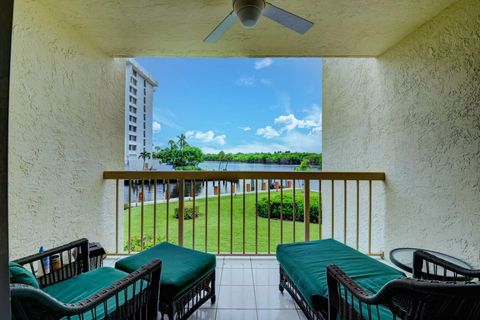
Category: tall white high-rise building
<point>139,89</point>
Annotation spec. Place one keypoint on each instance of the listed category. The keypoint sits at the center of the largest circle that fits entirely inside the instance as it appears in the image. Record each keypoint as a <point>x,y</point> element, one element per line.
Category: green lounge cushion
<point>18,274</point>
<point>181,267</point>
<point>306,262</point>
<point>87,284</point>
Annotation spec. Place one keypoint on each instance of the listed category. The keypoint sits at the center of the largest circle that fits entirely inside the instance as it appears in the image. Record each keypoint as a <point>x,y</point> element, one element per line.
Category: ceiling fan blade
<point>287,19</point>
<point>223,27</point>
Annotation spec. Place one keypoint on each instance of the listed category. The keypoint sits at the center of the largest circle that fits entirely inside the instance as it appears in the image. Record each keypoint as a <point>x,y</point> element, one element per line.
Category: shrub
<point>136,245</point>
<point>188,213</point>
<point>288,208</point>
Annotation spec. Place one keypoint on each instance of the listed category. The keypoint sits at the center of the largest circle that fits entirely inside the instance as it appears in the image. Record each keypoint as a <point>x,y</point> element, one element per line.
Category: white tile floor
<point>247,288</point>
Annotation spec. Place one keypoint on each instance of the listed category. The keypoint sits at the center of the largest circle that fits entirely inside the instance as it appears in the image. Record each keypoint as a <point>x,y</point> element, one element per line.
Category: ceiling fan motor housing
<point>248,11</point>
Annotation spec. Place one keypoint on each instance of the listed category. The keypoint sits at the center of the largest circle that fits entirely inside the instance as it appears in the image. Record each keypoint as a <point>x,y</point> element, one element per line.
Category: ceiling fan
<point>249,12</point>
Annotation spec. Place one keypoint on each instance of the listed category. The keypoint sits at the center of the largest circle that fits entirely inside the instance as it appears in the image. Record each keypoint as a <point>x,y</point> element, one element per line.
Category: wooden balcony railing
<point>237,212</point>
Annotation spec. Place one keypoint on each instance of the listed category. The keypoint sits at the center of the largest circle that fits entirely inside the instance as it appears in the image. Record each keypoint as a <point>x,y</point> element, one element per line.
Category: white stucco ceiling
<point>178,27</point>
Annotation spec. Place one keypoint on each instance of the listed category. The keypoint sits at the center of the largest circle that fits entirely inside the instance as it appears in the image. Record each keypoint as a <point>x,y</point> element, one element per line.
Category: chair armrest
<point>30,299</point>
<point>432,262</point>
<point>347,299</point>
<point>68,267</point>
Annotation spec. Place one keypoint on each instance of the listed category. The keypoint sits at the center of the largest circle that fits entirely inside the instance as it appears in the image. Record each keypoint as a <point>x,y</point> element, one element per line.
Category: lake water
<point>225,187</point>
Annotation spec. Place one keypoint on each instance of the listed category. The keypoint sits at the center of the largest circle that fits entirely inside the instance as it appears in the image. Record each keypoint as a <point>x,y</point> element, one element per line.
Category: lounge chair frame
<point>32,304</point>
<point>287,284</point>
<point>186,304</point>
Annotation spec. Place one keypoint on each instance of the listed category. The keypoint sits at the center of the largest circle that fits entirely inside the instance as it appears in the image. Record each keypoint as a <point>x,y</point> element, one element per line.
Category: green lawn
<point>226,233</point>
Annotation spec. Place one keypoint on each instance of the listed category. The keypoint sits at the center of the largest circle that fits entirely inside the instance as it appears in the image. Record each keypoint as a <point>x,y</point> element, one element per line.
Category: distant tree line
<point>183,156</point>
<point>279,157</point>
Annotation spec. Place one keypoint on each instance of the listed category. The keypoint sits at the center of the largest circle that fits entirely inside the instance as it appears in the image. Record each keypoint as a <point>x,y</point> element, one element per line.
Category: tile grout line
<point>254,291</point>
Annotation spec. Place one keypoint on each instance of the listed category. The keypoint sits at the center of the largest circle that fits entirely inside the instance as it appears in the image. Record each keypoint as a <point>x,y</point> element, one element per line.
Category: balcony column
<point>6,16</point>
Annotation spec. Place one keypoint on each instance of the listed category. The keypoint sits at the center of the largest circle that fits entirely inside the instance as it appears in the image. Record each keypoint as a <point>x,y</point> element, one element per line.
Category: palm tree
<point>144,155</point>
<point>172,144</point>
<point>182,141</point>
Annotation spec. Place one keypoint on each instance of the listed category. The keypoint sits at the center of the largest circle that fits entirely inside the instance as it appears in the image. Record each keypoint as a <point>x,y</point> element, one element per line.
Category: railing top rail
<point>233,175</point>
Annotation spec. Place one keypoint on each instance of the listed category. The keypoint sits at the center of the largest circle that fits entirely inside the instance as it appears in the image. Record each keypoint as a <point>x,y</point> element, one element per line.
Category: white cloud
<point>312,121</point>
<point>245,128</point>
<point>207,137</point>
<point>268,132</point>
<point>246,81</point>
<point>297,134</point>
<point>263,63</point>
<point>156,126</point>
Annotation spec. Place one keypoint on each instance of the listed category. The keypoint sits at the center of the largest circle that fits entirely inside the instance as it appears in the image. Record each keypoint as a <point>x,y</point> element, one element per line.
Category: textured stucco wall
<point>414,113</point>
<point>66,128</point>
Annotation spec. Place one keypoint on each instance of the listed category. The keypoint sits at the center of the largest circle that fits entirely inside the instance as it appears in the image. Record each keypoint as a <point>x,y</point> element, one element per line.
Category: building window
<point>132,147</point>
<point>133,109</point>
<point>133,100</point>
<point>144,143</point>
<point>144,117</point>
<point>133,119</point>
<point>133,90</point>
<point>134,73</point>
<point>132,128</point>
<point>133,81</point>
<point>144,126</point>
<point>132,137</point>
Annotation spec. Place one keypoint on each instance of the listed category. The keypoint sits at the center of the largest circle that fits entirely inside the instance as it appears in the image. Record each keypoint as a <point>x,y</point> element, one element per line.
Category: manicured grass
<point>241,237</point>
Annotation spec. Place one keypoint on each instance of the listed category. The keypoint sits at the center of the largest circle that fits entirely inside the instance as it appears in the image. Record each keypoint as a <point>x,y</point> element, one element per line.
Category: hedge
<point>288,206</point>
<point>188,212</point>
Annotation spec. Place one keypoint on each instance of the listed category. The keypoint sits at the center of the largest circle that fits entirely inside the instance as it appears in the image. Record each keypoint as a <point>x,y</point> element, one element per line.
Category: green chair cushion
<point>86,284</point>
<point>306,262</point>
<point>18,274</point>
<point>181,267</point>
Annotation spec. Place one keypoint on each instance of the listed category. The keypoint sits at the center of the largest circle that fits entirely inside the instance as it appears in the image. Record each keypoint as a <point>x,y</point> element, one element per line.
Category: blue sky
<point>238,104</point>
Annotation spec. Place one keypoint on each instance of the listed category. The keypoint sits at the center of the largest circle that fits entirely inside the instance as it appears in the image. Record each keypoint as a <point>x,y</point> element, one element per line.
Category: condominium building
<point>139,89</point>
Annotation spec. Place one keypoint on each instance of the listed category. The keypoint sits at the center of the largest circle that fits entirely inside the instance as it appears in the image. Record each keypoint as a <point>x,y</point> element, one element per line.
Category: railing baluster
<point>193,213</point>
<point>167,209</point>
<point>231,216</point>
<point>142,216</point>
<point>243,230</point>
<point>218,219</point>
<point>117,209</point>
<point>294,205</point>
<point>369,216</point>
<point>358,215</point>
<point>268,215</point>
<point>154,211</point>
<point>206,215</point>
<point>281,211</point>
<point>129,244</point>
<point>345,211</point>
<point>256,216</point>
<point>333,209</point>
<point>306,208</point>
<point>181,209</point>
<point>320,211</point>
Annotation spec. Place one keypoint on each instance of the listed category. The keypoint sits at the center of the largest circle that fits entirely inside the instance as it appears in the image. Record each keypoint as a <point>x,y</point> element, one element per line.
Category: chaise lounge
<point>332,281</point>
<point>70,290</point>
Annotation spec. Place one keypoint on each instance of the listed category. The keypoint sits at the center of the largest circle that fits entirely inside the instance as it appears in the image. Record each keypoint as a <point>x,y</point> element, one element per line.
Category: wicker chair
<point>425,297</point>
<point>134,296</point>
